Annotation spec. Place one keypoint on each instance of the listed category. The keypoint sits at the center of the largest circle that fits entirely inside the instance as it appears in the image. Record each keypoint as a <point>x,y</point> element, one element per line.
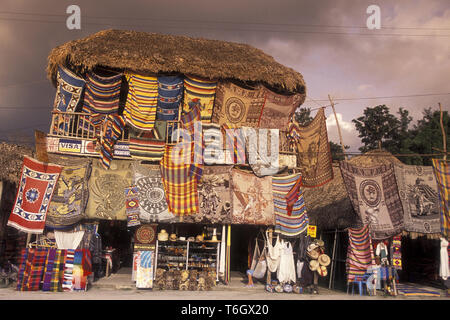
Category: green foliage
<point>303,116</point>
<point>336,151</point>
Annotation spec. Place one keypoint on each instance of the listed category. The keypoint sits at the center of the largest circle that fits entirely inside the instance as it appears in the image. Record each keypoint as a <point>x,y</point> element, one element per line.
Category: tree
<point>336,151</point>
<point>303,116</point>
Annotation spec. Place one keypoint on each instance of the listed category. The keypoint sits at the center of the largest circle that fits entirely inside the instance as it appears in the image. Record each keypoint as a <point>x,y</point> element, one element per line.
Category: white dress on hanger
<point>286,271</point>
<point>444,271</point>
<point>273,254</point>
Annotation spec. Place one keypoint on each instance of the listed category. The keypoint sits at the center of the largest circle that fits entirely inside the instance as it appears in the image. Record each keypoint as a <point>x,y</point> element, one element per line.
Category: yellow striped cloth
<point>199,92</point>
<point>441,169</point>
<point>141,103</point>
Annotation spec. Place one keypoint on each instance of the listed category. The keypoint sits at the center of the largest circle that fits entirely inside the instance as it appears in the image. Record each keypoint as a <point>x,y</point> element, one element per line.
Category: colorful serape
<point>167,114</point>
<point>442,174</point>
<point>359,252</point>
<point>67,283</point>
<point>141,103</point>
<point>102,94</point>
<point>199,92</point>
<point>58,269</point>
<point>132,206</point>
<point>170,93</point>
<point>144,273</point>
<point>409,290</point>
<point>278,109</point>
<point>25,260</point>
<point>112,128</point>
<point>37,269</point>
<point>235,144</point>
<point>82,267</point>
<point>396,252</point>
<point>68,91</point>
<point>289,223</point>
<point>236,106</point>
<point>48,272</point>
<point>36,186</point>
<point>374,195</point>
<point>313,150</point>
<point>191,122</point>
<point>145,148</point>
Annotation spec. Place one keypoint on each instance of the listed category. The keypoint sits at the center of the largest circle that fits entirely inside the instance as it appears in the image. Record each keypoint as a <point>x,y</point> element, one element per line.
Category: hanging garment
<point>102,93</point>
<point>382,252</point>
<point>222,251</point>
<point>68,91</point>
<point>444,271</point>
<point>273,256</point>
<point>201,93</point>
<point>286,270</point>
<point>132,206</point>
<point>170,93</point>
<point>396,252</point>
<point>68,240</point>
<point>442,174</point>
<point>359,253</point>
<point>143,147</point>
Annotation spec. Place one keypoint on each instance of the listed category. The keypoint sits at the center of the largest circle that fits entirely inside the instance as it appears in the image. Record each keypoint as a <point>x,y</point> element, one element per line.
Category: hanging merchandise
<point>148,146</point>
<point>313,150</point>
<point>199,92</point>
<point>374,195</point>
<point>441,170</point>
<point>286,269</point>
<point>273,256</point>
<point>132,206</point>
<point>381,251</point>
<point>68,91</point>
<point>444,271</point>
<point>396,252</point>
<point>144,273</point>
<point>235,145</point>
<point>68,239</point>
<point>170,93</point>
<point>35,191</point>
<point>420,200</point>
<point>359,253</point>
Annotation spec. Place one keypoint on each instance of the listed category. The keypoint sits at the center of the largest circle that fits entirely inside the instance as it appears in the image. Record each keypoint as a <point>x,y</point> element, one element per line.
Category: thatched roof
<point>11,160</point>
<point>156,53</point>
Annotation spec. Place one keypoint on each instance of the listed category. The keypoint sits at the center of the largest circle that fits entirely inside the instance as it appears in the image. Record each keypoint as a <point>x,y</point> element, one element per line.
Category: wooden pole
<point>444,136</point>
<point>338,127</point>
<point>333,257</point>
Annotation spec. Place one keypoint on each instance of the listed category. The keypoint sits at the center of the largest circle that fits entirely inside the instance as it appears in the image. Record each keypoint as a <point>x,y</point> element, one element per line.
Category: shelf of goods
<point>188,255</point>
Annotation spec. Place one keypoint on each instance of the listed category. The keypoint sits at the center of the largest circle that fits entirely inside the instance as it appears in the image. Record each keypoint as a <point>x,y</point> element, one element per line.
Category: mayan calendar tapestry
<point>142,98</point>
<point>68,91</point>
<point>374,195</point>
<point>420,199</point>
<point>278,109</point>
<point>359,252</point>
<point>252,199</point>
<point>290,219</point>
<point>237,107</point>
<point>106,190</point>
<point>215,198</point>
<point>150,191</point>
<point>313,150</point>
<point>441,170</point>
<point>35,191</point>
<point>201,93</point>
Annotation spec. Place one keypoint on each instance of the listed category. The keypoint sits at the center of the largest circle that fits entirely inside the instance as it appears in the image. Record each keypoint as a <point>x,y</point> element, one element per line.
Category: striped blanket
<point>410,290</point>
<point>289,223</point>
<point>141,103</point>
<point>22,266</point>
<point>359,252</point>
<point>68,91</point>
<point>201,93</point>
<point>235,145</point>
<point>57,273</point>
<point>102,94</point>
<point>170,93</point>
<point>442,174</point>
<point>145,147</point>
<point>67,282</point>
<point>191,123</point>
<point>49,268</point>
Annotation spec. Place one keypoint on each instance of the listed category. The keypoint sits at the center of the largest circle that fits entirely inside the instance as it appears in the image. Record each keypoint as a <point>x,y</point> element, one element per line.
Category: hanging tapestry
<point>58,269</point>
<point>396,252</point>
<point>106,196</point>
<point>68,91</point>
<point>49,268</point>
<point>36,270</point>
<point>235,142</point>
<point>180,185</point>
<point>170,93</point>
<point>237,107</point>
<point>374,195</point>
<point>252,199</point>
<point>419,195</point>
<point>140,106</point>
<point>166,114</point>
<point>150,191</point>
<point>26,256</point>
<point>82,268</point>
<point>67,281</point>
<point>36,187</point>
<point>441,169</point>
<point>112,128</point>
<point>215,199</point>
<point>102,94</point>
<point>144,272</point>
<point>143,147</point>
<point>70,197</point>
<point>213,141</point>
<point>278,109</point>
<point>359,252</point>
<point>132,206</point>
<point>191,123</point>
<point>313,150</point>
<point>291,222</point>
<point>199,92</point>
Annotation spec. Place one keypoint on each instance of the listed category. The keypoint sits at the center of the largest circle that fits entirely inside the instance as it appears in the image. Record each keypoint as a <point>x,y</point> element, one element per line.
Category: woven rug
<point>70,196</point>
<point>25,260</point>
<point>34,194</point>
<point>58,270</point>
<point>37,269</point>
<point>215,198</point>
<point>193,142</point>
<point>102,94</point>
<point>112,128</point>
<point>235,143</point>
<point>441,170</point>
<point>278,109</point>
<point>48,271</point>
<point>68,90</point>
<point>396,252</point>
<point>213,141</point>
<point>237,107</point>
<point>170,93</point>
<point>374,195</point>
<point>201,93</point>
<point>150,191</point>
<point>287,223</point>
<point>359,252</point>
<point>67,281</point>
<point>313,150</point>
<point>106,190</point>
<point>420,200</point>
<point>145,147</point>
<point>410,290</point>
<point>132,206</point>
<point>252,199</point>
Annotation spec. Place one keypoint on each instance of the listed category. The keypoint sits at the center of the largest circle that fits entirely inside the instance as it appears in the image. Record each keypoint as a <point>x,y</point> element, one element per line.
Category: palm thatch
<point>153,53</point>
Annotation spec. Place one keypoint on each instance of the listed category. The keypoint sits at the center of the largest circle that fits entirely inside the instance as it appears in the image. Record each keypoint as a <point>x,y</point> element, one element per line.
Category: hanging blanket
<point>36,186</point>
<point>48,272</point>
<point>359,252</point>
<point>420,200</point>
<point>237,107</point>
<point>235,145</point>
<point>215,199</point>
<point>144,148</point>
<point>213,152</point>
<point>374,195</point>
<point>170,93</point>
<point>278,109</point>
<point>106,196</point>
<point>26,257</point>
<point>252,199</point>
<point>199,92</point>
<point>67,282</point>
<point>150,192</point>
<point>70,197</point>
<point>191,123</point>
<point>132,206</point>
<point>81,269</point>
<point>396,252</point>
<point>144,273</point>
<point>102,94</point>
<point>313,150</point>
<point>289,223</point>
<point>441,170</point>
<point>113,126</point>
<point>140,106</point>
<point>37,269</point>
<point>68,91</point>
<point>58,269</point>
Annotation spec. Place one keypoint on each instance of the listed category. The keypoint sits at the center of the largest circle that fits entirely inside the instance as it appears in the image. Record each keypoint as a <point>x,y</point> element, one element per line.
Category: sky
<point>405,64</point>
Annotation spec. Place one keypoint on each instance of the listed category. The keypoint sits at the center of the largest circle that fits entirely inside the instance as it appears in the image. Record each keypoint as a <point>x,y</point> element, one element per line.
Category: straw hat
<point>313,254</point>
<point>320,242</point>
<point>324,260</point>
<point>322,271</point>
<point>312,246</point>
<point>163,235</point>
<point>313,265</point>
<point>173,237</point>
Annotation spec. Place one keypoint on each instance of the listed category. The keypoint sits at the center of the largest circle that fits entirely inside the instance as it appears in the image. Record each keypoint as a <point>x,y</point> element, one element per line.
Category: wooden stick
<point>444,136</point>
<point>338,127</point>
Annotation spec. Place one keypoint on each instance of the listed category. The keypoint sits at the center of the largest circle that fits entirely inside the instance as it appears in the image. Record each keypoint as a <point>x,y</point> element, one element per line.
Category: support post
<point>444,136</point>
<point>333,256</point>
<point>338,127</point>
